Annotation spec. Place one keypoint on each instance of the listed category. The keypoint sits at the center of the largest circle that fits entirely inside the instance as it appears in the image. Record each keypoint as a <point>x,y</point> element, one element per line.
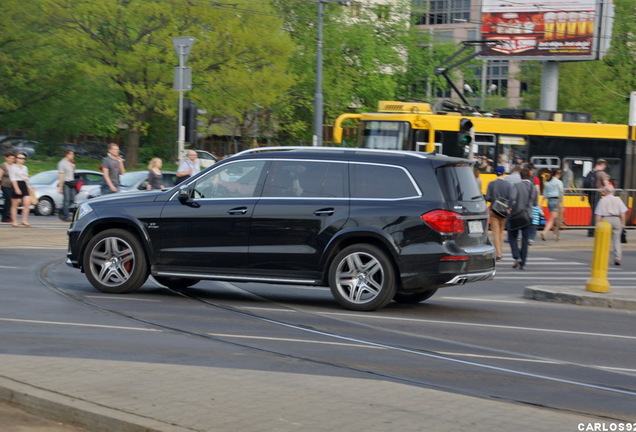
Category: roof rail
<point>333,149</point>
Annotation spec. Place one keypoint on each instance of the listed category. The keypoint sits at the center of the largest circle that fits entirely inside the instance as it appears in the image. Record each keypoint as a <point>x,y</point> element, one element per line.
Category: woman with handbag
<point>499,194</point>
<point>553,192</point>
<point>520,218</point>
<point>19,175</point>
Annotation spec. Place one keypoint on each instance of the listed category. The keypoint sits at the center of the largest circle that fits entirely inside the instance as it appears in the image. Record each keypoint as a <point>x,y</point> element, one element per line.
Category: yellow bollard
<point>600,256</point>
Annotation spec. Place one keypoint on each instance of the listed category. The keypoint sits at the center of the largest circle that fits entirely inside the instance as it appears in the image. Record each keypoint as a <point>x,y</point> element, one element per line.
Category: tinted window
<point>306,179</point>
<point>381,181</point>
<point>234,179</point>
<point>458,183</point>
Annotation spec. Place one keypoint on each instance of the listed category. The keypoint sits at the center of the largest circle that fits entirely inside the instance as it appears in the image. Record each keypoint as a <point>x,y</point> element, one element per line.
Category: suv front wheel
<point>114,262</point>
<point>362,278</point>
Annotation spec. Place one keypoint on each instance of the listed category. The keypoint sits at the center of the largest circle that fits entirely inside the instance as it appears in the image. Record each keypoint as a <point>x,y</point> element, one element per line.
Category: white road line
<point>465,324</point>
<point>235,336</point>
<point>485,300</point>
<point>79,324</point>
<point>124,298</point>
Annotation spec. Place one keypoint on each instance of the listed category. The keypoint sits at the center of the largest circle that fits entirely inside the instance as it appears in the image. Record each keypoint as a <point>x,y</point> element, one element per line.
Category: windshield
<point>385,135</point>
<point>45,177</point>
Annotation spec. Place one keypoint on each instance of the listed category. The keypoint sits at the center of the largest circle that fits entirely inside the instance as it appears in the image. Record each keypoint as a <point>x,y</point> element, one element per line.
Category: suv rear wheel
<point>114,262</point>
<point>362,278</point>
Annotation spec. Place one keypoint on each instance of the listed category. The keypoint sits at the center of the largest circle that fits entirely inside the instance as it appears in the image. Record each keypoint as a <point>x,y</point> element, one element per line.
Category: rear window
<point>381,181</point>
<point>458,183</point>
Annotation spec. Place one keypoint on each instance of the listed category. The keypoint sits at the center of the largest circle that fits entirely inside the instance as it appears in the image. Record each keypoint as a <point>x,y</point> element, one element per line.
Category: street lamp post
<point>182,82</point>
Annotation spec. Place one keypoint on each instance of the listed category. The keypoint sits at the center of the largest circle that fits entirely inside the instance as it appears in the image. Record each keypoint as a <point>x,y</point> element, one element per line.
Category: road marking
<point>503,327</point>
<point>106,297</point>
<point>235,336</point>
<point>78,324</point>
<point>485,300</point>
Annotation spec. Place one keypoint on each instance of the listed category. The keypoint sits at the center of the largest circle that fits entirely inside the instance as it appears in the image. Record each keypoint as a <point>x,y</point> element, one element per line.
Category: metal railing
<point>578,213</point>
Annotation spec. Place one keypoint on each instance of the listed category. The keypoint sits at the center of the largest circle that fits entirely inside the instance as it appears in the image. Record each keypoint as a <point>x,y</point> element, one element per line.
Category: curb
<point>94,417</point>
<point>580,297</point>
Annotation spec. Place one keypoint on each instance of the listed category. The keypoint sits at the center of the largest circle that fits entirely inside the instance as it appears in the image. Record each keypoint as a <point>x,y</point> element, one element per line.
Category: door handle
<point>324,212</point>
<point>238,211</point>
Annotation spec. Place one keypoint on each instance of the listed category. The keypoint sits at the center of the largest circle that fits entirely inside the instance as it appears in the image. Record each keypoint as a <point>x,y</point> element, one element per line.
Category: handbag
<point>519,220</point>
<point>34,198</point>
<point>624,236</point>
<point>500,207</point>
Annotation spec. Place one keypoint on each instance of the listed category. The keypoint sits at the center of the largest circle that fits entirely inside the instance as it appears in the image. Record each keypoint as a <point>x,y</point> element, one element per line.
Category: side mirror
<point>184,197</point>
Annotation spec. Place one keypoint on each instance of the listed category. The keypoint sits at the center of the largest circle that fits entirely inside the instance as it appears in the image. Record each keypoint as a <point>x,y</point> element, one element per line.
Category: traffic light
<point>194,126</point>
<point>189,120</point>
<point>465,136</point>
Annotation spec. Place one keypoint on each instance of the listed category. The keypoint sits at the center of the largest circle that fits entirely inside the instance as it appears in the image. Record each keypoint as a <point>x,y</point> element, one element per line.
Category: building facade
<point>457,21</point>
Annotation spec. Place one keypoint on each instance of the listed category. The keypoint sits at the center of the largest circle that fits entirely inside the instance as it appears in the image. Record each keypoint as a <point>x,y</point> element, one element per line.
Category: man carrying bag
<point>520,218</point>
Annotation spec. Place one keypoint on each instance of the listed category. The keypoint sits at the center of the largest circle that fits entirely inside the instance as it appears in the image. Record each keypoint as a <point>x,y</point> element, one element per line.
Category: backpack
<point>589,182</point>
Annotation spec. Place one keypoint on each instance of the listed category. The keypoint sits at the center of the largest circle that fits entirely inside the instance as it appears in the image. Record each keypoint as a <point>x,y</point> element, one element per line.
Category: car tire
<point>176,283</point>
<point>362,278</point>
<point>44,207</point>
<point>115,262</point>
<point>413,298</point>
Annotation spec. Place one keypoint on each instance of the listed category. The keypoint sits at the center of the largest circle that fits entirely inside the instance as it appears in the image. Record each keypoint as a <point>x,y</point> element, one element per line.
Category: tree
<point>364,47</point>
<point>126,46</point>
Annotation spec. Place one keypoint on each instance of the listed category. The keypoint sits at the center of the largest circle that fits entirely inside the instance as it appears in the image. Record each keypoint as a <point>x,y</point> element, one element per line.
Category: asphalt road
<point>481,339</point>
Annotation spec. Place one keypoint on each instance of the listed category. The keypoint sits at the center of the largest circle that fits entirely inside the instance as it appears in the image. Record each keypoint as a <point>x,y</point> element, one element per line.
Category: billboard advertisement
<point>541,30</point>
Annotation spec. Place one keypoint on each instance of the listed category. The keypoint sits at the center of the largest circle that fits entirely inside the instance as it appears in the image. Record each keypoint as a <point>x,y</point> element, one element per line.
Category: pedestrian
<point>601,179</point>
<point>7,186</point>
<point>155,176</point>
<point>66,183</point>
<point>612,209</point>
<point>553,192</point>
<point>188,167</point>
<point>568,177</point>
<point>502,191</point>
<point>525,199</point>
<point>515,175</point>
<point>19,175</point>
<point>112,167</point>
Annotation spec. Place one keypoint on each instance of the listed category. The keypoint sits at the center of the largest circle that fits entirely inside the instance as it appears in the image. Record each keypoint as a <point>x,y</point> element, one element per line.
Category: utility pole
<point>182,82</point>
<point>318,99</point>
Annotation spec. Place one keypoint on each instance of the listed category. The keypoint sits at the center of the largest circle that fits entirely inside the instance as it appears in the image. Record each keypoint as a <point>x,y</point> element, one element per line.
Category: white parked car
<point>206,159</point>
<point>50,198</point>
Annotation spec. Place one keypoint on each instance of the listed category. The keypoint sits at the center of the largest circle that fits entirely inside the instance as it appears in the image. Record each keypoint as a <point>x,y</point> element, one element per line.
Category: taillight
<point>444,221</point>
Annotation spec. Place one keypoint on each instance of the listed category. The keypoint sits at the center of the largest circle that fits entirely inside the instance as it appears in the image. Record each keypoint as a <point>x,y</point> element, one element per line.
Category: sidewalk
<point>122,396</point>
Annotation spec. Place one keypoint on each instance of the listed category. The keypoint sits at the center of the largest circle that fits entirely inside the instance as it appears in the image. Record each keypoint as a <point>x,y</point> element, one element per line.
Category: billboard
<point>542,29</point>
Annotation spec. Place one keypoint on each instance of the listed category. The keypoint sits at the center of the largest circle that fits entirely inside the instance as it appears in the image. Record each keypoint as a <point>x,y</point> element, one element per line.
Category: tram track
<point>404,355</point>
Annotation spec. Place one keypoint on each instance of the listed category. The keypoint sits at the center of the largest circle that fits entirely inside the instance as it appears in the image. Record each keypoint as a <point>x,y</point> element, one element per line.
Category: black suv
<point>373,225</point>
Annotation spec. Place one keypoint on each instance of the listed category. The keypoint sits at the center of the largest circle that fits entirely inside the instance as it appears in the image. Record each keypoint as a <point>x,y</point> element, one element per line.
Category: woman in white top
<point>19,175</point>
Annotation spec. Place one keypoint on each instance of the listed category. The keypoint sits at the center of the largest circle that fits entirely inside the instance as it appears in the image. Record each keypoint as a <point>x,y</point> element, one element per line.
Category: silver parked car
<point>50,198</point>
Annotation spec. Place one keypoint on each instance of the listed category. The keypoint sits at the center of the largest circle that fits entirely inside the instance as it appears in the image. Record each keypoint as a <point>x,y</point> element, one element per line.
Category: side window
<point>299,178</point>
<point>232,180</point>
<point>381,181</point>
<point>93,179</point>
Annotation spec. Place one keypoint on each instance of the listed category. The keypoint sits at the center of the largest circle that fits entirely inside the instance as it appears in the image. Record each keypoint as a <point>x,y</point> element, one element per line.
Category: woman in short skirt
<point>19,175</point>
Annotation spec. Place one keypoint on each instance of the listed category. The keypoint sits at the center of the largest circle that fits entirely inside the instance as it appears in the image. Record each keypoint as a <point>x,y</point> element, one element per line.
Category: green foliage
<point>362,57</point>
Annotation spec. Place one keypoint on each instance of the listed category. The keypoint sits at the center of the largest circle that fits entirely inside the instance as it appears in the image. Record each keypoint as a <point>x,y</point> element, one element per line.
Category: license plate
<point>475,227</point>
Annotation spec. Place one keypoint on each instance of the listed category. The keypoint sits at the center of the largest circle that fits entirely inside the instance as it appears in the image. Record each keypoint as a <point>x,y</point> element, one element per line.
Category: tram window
<point>580,167</point>
<point>511,150</point>
<point>615,171</point>
<point>422,137</point>
<point>549,162</point>
<point>385,135</point>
